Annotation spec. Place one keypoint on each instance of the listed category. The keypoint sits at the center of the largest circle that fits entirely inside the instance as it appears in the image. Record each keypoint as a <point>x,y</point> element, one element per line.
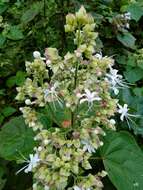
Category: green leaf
<point>2,92</point>
<point>138,91</point>
<point>45,119</point>
<point>20,78</point>
<point>15,33</point>
<point>11,81</point>
<point>3,7</point>
<point>1,118</point>
<point>2,41</point>
<point>133,75</point>
<point>15,138</point>
<point>2,181</point>
<point>32,12</point>
<point>127,39</point>
<point>136,11</point>
<point>8,111</point>
<point>123,160</point>
<point>59,114</point>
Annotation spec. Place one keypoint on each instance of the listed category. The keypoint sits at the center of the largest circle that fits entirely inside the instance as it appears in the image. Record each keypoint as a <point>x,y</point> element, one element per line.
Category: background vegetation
<point>29,25</point>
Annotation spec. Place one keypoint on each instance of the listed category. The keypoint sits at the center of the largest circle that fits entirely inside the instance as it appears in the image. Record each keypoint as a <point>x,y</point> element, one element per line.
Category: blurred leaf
<point>133,75</point>
<point>131,61</point>
<point>2,40</point>
<point>20,78</point>
<point>136,11</point>
<point>16,137</point>
<point>2,181</point>
<point>15,33</point>
<point>123,160</point>
<point>1,118</point>
<point>11,81</point>
<point>138,92</point>
<point>127,96</point>
<point>34,9</point>
<point>127,39</point>
<point>2,92</point>
<point>3,7</point>
<point>8,111</point>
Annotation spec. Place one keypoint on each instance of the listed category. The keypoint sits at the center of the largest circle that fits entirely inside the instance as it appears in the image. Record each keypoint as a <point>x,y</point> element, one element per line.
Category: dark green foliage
<point>16,139</point>
<point>123,159</point>
<point>29,25</point>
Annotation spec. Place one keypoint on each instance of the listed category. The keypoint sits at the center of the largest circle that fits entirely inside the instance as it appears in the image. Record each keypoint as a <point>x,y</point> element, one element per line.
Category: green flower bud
<point>81,16</point>
<point>71,20</point>
<point>69,28</point>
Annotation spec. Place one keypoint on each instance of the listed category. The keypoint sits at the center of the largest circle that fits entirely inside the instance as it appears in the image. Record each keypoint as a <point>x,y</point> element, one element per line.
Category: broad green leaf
<point>15,139</point>
<point>127,96</point>
<point>133,75</point>
<point>138,91</point>
<point>136,11</point>
<point>131,61</point>
<point>20,78</point>
<point>127,39</point>
<point>15,33</point>
<point>30,14</point>
<point>8,111</point>
<point>123,160</point>
<point>11,81</point>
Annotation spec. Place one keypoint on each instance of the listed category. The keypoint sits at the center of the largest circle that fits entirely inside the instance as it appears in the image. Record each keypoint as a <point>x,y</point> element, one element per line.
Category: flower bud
<point>112,121</point>
<point>48,62</point>
<point>36,54</point>
<point>69,28</point>
<point>28,102</point>
<point>81,16</point>
<point>70,19</point>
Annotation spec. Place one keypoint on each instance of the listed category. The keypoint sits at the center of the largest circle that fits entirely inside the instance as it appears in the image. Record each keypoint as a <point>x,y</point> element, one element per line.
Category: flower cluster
<point>78,86</point>
<point>122,21</point>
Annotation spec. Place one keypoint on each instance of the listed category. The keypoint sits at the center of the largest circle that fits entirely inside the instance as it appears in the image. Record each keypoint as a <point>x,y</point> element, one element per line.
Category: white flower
<point>28,102</point>
<point>115,80</point>
<point>46,187</point>
<point>37,55</point>
<point>76,188</point>
<point>78,53</point>
<point>98,55</point>
<point>127,25</point>
<point>88,146</point>
<point>127,16</point>
<point>32,163</point>
<point>112,121</point>
<point>51,94</point>
<point>89,97</point>
<point>123,110</point>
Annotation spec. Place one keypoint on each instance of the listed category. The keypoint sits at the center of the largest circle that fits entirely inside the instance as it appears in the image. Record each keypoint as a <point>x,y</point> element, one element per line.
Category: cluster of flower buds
<point>122,21</point>
<point>81,86</point>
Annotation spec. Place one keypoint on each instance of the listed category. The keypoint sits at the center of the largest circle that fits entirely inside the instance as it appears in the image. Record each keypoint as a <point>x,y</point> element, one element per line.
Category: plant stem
<point>75,78</point>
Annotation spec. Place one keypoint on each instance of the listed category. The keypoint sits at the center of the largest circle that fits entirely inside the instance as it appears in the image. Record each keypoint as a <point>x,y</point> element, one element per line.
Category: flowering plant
<point>80,89</point>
